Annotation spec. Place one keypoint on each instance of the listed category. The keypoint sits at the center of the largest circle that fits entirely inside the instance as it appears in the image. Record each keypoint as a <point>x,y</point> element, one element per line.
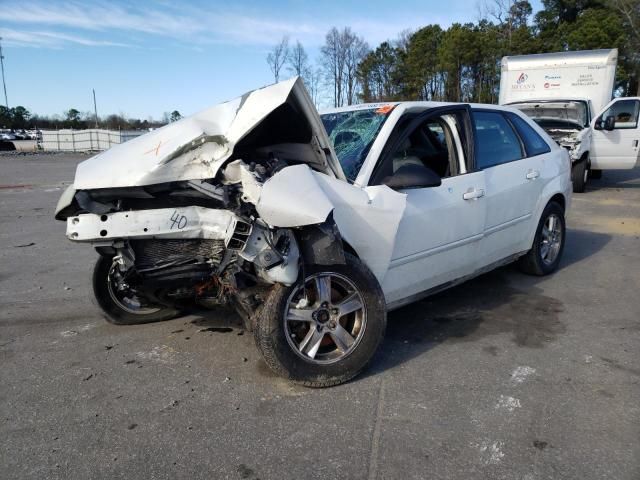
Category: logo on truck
<point>522,84</point>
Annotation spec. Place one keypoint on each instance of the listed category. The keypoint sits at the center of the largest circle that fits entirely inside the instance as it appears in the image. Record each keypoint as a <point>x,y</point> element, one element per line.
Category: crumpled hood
<point>196,147</point>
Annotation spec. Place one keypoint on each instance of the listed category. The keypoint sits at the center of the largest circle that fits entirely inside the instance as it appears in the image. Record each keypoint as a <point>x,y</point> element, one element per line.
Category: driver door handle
<point>532,174</point>
<point>635,144</point>
<point>473,193</point>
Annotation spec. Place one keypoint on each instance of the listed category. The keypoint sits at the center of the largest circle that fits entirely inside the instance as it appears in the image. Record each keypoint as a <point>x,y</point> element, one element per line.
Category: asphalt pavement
<point>504,377</point>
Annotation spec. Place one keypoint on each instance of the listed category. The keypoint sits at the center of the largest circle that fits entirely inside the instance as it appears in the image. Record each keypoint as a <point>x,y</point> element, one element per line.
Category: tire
<point>538,260</point>
<point>114,310</point>
<point>595,174</point>
<point>579,175</point>
<point>280,338</point>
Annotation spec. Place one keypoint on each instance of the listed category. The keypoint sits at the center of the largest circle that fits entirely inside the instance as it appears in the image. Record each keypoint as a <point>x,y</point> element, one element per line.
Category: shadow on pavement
<point>485,306</point>
<point>615,179</point>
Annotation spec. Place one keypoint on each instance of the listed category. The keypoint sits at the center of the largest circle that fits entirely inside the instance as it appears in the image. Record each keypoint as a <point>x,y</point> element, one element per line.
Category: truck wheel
<point>324,330</point>
<point>595,174</point>
<point>123,306</point>
<point>548,243</point>
<point>579,175</point>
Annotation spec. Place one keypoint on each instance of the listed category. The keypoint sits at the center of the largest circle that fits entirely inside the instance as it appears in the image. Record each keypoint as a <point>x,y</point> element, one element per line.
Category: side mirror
<point>413,176</point>
<point>609,123</point>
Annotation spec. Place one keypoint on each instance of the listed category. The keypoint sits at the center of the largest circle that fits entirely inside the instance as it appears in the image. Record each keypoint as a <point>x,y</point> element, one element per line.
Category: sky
<point>148,57</point>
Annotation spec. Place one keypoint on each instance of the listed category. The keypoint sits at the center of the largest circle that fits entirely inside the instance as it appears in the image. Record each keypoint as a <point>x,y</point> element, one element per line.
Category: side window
<point>496,142</point>
<point>533,143</point>
<point>431,144</point>
<point>625,113</point>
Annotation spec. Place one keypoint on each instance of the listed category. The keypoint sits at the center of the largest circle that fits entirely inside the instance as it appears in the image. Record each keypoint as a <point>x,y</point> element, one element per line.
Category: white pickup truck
<point>569,94</point>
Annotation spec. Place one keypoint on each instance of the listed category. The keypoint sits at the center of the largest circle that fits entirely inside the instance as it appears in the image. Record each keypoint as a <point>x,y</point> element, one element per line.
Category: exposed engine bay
<point>202,241</point>
<point>566,122</point>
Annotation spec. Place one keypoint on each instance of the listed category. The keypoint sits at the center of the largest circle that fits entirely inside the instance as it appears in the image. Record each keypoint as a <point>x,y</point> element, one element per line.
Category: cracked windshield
<point>352,134</point>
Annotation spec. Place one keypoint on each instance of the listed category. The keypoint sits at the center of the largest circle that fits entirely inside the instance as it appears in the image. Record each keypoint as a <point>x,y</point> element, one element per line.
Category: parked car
<point>313,227</point>
<point>8,136</point>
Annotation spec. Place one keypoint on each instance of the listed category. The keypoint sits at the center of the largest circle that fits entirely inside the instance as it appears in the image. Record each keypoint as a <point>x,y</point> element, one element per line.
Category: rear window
<point>496,142</point>
<point>533,143</point>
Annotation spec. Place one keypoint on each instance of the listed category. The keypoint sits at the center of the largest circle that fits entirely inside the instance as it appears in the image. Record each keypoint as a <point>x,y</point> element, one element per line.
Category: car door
<point>513,182</point>
<point>617,148</point>
<point>438,235</point>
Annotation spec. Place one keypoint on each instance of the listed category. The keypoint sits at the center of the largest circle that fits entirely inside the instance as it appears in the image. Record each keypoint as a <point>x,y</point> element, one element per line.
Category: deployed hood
<point>279,119</point>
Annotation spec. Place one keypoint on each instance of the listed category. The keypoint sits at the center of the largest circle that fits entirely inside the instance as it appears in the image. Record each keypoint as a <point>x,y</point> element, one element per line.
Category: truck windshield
<point>352,134</point>
<point>557,114</point>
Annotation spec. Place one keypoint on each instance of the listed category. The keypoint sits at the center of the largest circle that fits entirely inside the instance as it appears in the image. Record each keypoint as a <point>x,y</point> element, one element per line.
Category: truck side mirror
<point>609,123</point>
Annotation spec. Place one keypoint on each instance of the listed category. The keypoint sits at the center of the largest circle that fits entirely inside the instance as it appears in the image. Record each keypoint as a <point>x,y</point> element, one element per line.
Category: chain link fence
<point>83,140</point>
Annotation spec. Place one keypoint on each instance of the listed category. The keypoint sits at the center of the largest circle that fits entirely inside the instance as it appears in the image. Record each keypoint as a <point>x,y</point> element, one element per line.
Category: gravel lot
<point>506,376</point>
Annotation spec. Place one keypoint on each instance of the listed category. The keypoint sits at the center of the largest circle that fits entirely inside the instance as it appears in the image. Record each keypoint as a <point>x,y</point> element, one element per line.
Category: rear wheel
<point>548,244</point>
<point>121,304</point>
<point>324,330</point>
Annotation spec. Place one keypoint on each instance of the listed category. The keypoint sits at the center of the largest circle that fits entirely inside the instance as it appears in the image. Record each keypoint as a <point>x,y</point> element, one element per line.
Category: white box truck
<point>569,94</point>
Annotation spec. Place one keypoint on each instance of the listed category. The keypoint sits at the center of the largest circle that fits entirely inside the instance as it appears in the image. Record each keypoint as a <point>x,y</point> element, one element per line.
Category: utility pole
<point>95,108</point>
<point>6,102</point>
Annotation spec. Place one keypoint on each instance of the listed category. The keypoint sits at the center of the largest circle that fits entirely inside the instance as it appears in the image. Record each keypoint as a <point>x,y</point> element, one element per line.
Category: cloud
<point>186,23</point>
<point>49,39</point>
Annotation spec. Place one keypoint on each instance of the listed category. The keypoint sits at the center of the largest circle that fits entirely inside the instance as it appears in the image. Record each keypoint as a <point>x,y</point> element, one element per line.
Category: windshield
<point>556,114</point>
<point>352,134</point>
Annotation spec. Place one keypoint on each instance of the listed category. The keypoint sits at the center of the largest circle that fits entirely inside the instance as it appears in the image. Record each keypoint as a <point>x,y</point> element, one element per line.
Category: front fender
<point>367,218</point>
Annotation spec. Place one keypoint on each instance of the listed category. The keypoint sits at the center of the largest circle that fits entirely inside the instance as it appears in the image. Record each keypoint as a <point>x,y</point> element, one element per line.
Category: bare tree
<point>333,63</point>
<point>404,39</point>
<point>355,51</point>
<point>298,60</point>
<point>278,56</point>
<point>341,54</point>
<point>313,80</point>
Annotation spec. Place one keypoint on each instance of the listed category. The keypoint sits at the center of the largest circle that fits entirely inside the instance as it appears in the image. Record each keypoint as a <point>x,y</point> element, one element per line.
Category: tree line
<point>19,118</point>
<point>462,62</point>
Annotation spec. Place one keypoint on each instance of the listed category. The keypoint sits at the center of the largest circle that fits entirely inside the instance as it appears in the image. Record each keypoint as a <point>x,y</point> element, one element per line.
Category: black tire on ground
<point>579,175</point>
<point>533,262</point>
<point>595,174</point>
<point>271,335</point>
<point>113,311</point>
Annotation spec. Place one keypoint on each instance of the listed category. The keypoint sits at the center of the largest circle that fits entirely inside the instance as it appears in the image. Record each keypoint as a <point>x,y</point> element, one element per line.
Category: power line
<point>6,102</point>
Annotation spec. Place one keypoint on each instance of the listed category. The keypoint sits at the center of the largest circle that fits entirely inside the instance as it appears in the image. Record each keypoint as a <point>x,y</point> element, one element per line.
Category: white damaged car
<point>314,226</point>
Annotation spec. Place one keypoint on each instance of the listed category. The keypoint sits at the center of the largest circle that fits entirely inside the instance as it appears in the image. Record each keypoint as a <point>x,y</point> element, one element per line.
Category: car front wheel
<point>325,329</point>
<point>548,243</point>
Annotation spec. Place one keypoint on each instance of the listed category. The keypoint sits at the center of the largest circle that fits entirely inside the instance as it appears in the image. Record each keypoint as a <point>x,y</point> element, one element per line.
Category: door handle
<point>532,174</point>
<point>472,194</point>
<point>635,144</point>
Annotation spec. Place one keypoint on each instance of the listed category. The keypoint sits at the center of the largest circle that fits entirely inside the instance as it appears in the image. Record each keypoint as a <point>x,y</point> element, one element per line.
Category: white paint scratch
<point>508,403</point>
<point>520,374</point>
<point>491,451</point>
<point>162,353</point>
<point>82,328</point>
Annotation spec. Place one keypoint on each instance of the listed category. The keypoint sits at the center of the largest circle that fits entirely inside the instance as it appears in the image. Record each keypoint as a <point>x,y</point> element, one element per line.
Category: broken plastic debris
<point>385,109</point>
